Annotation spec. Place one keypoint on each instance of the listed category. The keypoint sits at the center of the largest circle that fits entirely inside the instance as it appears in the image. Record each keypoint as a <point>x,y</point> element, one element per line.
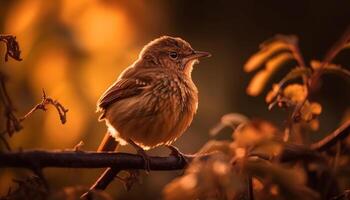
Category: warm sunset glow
<point>98,100</point>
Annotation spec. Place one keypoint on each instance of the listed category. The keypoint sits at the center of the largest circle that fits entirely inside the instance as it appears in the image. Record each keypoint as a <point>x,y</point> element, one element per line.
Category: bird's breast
<point>176,93</point>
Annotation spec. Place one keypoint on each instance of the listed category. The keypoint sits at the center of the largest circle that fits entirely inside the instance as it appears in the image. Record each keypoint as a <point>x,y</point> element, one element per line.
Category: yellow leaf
<point>315,64</point>
<point>310,110</point>
<point>315,108</point>
<point>268,147</point>
<point>255,61</point>
<point>258,82</point>
<point>306,113</point>
<point>273,64</point>
<point>314,124</point>
<point>272,93</point>
<point>295,92</point>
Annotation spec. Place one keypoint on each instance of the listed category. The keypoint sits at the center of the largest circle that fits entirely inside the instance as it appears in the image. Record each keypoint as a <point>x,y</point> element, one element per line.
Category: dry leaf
<point>257,84</point>
<point>295,92</point>
<point>257,60</point>
<point>310,110</point>
<point>271,95</point>
<point>274,63</point>
<point>253,133</point>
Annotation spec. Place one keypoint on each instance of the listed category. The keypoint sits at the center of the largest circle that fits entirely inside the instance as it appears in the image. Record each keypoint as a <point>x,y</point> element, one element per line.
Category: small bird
<point>154,100</point>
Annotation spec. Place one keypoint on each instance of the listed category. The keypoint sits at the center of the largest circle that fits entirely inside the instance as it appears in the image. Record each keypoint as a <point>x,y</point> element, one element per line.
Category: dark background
<point>75,50</point>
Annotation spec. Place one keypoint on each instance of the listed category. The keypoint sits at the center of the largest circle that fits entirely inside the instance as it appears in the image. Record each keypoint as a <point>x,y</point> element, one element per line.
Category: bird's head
<point>172,52</point>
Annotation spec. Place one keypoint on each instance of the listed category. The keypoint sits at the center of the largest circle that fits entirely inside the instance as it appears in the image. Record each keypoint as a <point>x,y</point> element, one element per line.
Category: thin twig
<point>330,140</point>
<point>337,47</point>
<point>62,112</point>
<point>330,55</point>
<point>4,141</point>
<point>250,188</point>
<point>14,123</point>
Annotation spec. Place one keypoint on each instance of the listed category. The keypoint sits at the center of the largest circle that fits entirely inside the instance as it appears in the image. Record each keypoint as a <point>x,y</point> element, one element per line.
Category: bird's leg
<point>176,152</point>
<point>142,153</point>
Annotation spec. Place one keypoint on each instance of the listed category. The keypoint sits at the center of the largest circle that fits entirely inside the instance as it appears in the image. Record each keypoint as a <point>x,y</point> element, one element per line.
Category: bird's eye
<point>173,55</point>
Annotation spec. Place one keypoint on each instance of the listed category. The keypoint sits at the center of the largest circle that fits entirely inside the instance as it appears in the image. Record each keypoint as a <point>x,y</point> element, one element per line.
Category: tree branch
<point>72,159</point>
<point>330,140</point>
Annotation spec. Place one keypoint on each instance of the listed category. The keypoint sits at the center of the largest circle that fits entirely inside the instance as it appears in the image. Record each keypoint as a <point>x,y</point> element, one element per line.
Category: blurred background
<point>75,49</point>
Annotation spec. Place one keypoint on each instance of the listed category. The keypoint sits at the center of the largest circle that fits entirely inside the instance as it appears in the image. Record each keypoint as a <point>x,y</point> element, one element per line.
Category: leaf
<point>271,67</point>
<point>314,124</point>
<point>269,148</point>
<point>213,178</point>
<point>310,110</point>
<point>272,93</point>
<point>273,64</point>
<point>287,39</point>
<point>315,64</point>
<point>291,183</point>
<point>258,82</point>
<point>315,108</point>
<point>295,73</point>
<point>253,133</point>
<point>268,50</point>
<point>295,92</point>
<point>229,120</point>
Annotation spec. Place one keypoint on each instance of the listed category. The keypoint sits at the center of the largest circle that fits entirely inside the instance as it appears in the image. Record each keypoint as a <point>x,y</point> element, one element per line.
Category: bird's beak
<point>194,56</point>
<point>198,54</point>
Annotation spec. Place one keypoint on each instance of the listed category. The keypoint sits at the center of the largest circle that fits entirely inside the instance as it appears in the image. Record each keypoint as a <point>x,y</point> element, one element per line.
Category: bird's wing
<point>123,88</point>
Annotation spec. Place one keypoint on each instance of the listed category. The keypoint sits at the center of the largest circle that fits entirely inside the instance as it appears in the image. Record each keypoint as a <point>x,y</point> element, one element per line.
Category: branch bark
<point>332,139</point>
<point>37,159</point>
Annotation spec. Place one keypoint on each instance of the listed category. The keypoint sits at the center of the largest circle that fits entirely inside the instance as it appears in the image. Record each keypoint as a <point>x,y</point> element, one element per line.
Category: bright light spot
<point>102,28</point>
<point>22,16</point>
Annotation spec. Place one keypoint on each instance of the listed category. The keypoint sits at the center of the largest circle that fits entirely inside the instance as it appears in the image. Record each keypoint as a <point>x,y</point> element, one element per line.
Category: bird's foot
<point>176,152</point>
<point>141,152</point>
<point>146,159</point>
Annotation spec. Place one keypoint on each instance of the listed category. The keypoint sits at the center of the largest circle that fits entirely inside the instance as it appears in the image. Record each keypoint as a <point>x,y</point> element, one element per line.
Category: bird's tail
<point>108,144</point>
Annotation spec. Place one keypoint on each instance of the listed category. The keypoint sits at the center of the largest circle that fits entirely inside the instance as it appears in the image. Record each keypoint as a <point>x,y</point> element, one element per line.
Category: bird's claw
<point>141,152</point>
<point>146,158</point>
